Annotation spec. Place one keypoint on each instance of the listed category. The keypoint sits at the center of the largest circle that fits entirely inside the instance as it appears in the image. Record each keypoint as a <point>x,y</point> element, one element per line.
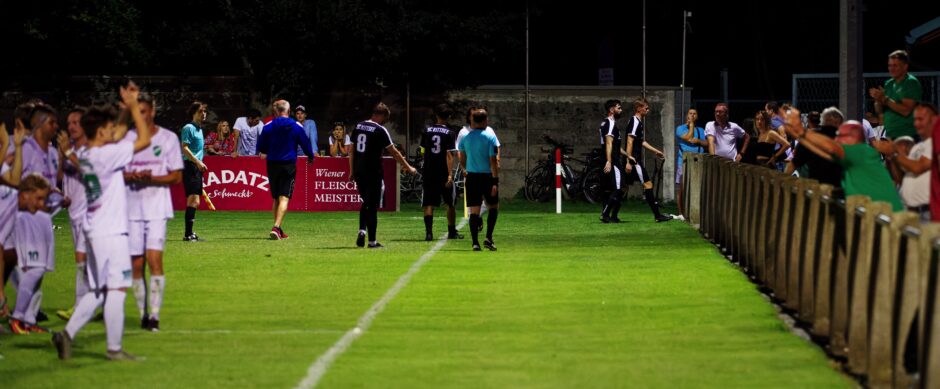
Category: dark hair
<point>40,114</point>
<point>194,107</point>
<point>95,118</point>
<point>772,106</point>
<point>925,105</point>
<point>814,118</point>
<point>900,55</point>
<point>639,102</point>
<point>381,109</point>
<point>147,98</point>
<point>33,182</point>
<point>474,106</point>
<point>443,111</point>
<point>23,111</point>
<point>78,109</point>
<point>610,104</point>
<point>252,113</point>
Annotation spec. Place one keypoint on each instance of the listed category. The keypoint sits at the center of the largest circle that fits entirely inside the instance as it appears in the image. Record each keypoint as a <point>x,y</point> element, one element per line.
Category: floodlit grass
<point>565,302</point>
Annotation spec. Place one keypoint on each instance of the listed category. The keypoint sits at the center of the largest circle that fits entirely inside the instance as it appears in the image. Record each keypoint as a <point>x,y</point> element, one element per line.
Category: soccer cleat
<point>663,218</point>
<point>361,239</point>
<point>375,245</point>
<point>454,235</point>
<point>145,323</point>
<point>63,344</point>
<point>605,219</point>
<point>428,237</point>
<point>154,325</point>
<point>615,220</point>
<point>275,234</point>
<point>41,316</point>
<point>34,329</point>
<point>489,245</point>
<point>476,247</point>
<point>192,238</point>
<point>18,327</point>
<point>120,355</point>
<point>65,314</point>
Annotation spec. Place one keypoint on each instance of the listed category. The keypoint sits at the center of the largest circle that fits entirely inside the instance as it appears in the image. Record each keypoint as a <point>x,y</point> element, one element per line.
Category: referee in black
<point>278,141</point>
<point>438,143</point>
<point>479,159</point>
<point>370,139</point>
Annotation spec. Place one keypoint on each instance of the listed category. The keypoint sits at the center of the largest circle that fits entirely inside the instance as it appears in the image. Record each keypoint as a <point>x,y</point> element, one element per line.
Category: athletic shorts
<point>679,173</point>
<point>146,235</point>
<point>638,174</point>
<point>372,191</point>
<point>34,241</point>
<point>435,190</point>
<point>109,262</point>
<point>617,179</point>
<point>281,176</point>
<point>192,179</point>
<point>479,188</point>
<point>78,237</point>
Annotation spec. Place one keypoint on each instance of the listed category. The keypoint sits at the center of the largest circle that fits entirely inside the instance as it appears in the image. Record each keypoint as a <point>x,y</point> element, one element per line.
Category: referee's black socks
<point>190,217</point>
<point>428,223</point>
<point>476,224</point>
<point>491,216</point>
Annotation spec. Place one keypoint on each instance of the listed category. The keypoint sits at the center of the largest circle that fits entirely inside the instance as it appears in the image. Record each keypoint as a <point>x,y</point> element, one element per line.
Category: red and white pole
<point>558,181</point>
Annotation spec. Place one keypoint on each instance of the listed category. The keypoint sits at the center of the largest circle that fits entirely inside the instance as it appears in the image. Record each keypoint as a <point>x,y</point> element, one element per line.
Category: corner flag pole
<point>466,213</point>
<point>558,180</point>
<point>208,200</point>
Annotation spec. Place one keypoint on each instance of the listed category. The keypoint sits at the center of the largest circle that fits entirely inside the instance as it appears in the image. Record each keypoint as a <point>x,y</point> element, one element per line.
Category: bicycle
<point>588,181</point>
<point>412,185</point>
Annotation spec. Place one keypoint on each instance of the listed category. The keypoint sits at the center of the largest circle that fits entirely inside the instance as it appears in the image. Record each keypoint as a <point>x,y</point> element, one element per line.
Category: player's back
<point>478,146</point>
<point>636,131</point>
<point>437,141</point>
<point>369,142</point>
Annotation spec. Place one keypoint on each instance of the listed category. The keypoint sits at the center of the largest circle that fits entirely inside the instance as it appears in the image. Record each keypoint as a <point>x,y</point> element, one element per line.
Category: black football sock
<point>373,223</point>
<point>651,200</point>
<point>428,223</point>
<point>491,216</point>
<point>615,207</point>
<point>475,223</point>
<point>190,218</point>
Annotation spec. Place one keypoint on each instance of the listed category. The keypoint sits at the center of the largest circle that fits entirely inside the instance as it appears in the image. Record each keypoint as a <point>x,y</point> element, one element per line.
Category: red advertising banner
<point>241,184</point>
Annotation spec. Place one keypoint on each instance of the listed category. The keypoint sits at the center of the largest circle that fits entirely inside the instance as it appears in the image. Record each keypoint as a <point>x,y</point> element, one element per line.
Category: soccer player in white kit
<point>34,258</point>
<point>75,191</point>
<point>9,183</point>
<point>148,179</point>
<point>105,225</point>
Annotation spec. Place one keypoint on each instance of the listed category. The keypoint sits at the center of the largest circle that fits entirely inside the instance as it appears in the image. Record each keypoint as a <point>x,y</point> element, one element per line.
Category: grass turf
<point>565,302</point>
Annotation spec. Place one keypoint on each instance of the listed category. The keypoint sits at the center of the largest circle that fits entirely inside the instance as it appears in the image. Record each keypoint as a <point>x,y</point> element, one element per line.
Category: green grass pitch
<point>566,302</point>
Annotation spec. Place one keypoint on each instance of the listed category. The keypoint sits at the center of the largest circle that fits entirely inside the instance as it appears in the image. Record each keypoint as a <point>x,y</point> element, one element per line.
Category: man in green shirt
<point>897,98</point>
<point>863,173</point>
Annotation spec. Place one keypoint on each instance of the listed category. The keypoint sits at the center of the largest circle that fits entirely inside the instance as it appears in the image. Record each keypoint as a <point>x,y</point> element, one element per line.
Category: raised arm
<point>817,143</point>
<point>16,172</point>
<point>129,95</point>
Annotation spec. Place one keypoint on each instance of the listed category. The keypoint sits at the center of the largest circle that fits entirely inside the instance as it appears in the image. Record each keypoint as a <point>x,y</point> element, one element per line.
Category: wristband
<point>68,153</point>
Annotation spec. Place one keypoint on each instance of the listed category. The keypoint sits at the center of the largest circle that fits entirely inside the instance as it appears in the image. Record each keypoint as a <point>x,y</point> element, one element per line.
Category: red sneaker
<point>19,327</point>
<point>32,328</point>
<point>275,233</point>
<point>281,231</point>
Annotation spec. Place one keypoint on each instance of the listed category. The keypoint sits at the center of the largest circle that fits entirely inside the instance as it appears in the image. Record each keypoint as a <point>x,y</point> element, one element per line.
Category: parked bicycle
<point>587,181</point>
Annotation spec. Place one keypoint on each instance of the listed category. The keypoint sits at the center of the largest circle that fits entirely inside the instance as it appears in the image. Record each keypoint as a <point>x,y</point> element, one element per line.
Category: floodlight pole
<point>526,87</point>
<point>685,29</point>
<point>644,49</point>
<point>851,77</point>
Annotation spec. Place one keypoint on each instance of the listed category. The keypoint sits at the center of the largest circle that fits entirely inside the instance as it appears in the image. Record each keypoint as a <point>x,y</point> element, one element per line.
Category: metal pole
<point>526,87</point>
<point>685,15</point>
<point>407,117</point>
<point>851,79</point>
<point>644,49</point>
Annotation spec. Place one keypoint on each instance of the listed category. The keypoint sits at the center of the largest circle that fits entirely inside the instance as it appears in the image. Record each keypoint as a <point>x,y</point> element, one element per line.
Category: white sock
<point>33,308</point>
<point>25,290</point>
<point>114,318</point>
<point>157,284</point>
<point>81,282</point>
<point>83,313</point>
<point>362,232</point>
<point>140,294</point>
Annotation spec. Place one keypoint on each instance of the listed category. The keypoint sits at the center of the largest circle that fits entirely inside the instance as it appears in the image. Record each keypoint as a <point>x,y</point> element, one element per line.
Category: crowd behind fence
<point>861,279</point>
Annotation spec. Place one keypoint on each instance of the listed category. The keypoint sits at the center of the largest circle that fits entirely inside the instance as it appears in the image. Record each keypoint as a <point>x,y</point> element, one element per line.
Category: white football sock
<point>140,294</point>
<point>114,318</point>
<point>33,308</point>
<point>81,282</point>
<point>83,313</point>
<point>157,285</point>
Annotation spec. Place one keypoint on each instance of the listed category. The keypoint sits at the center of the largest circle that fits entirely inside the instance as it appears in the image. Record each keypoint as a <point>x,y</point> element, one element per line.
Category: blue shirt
<point>192,136</point>
<point>684,146</point>
<point>479,146</point>
<point>280,138</point>
<point>310,128</point>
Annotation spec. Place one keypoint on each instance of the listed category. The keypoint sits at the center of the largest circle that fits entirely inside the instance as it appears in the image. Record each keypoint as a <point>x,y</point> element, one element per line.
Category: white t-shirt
<point>247,136</point>
<point>725,138</point>
<point>9,199</point>
<point>34,240</point>
<point>346,142</point>
<point>164,155</point>
<point>466,130</point>
<point>103,176</point>
<point>915,189</point>
<point>74,189</point>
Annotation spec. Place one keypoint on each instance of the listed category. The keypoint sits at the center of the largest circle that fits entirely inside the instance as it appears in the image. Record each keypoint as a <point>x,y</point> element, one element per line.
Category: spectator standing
<point>247,130</point>
<point>691,139</point>
<point>915,185</point>
<point>897,98</point>
<point>310,128</point>
<point>723,134</point>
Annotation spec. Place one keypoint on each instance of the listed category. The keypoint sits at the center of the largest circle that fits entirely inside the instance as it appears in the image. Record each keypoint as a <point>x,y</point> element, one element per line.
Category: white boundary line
<point>225,332</point>
<point>319,367</point>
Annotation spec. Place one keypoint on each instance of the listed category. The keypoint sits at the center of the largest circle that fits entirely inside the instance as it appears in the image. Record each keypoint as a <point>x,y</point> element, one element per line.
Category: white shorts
<point>78,237</point>
<point>146,235</point>
<point>679,173</point>
<point>109,262</point>
<point>34,241</point>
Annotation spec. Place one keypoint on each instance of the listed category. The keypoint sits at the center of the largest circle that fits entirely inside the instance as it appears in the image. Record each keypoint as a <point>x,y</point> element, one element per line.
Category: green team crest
<point>157,150</point>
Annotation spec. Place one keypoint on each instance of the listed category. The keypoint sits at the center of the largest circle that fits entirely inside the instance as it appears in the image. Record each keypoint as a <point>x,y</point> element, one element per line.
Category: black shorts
<point>639,174</point>
<point>617,179</point>
<point>372,191</point>
<point>479,188</point>
<point>192,179</point>
<point>281,176</point>
<point>435,189</point>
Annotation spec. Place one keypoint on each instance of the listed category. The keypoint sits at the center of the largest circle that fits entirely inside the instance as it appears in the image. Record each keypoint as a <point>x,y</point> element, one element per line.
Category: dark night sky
<point>760,43</point>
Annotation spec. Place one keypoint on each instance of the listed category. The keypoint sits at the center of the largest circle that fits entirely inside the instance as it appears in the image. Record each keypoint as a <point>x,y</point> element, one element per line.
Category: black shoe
<point>428,237</point>
<point>63,344</point>
<point>154,325</point>
<point>476,247</point>
<point>454,235</point>
<point>615,220</point>
<point>192,238</point>
<point>375,245</point>
<point>41,316</point>
<point>145,322</point>
<point>605,219</point>
<point>489,245</point>
<point>361,239</point>
<point>663,218</point>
